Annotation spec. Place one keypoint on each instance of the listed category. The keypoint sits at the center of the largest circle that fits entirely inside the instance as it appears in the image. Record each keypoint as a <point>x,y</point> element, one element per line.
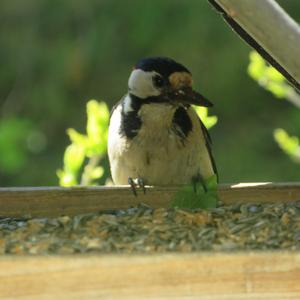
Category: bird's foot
<point>198,180</point>
<point>201,193</point>
<point>136,183</point>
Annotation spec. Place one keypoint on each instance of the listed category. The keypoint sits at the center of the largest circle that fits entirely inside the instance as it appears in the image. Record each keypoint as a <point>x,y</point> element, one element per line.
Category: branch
<point>266,27</point>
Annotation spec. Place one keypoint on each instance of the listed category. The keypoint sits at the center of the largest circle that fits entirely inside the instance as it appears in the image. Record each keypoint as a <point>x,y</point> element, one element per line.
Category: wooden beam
<point>268,275</point>
<point>266,27</point>
<point>55,201</point>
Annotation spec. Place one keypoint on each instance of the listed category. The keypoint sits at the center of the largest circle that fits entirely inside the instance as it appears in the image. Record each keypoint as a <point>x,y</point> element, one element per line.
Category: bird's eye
<point>158,81</point>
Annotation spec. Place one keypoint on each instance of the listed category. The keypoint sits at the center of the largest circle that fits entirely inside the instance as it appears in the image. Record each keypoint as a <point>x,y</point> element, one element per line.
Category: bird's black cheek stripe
<point>182,121</point>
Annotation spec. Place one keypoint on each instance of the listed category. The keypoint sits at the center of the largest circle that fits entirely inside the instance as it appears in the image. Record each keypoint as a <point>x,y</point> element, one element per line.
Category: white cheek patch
<point>141,85</point>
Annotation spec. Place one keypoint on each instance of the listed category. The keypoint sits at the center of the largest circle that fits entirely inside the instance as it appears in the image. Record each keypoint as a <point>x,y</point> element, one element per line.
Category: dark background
<point>55,55</point>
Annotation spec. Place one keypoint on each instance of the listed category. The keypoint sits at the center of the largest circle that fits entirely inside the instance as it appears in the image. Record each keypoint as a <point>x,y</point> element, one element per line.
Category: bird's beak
<point>187,96</point>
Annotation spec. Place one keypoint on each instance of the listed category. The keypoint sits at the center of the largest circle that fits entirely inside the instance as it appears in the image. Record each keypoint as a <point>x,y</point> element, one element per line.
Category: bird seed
<point>146,230</point>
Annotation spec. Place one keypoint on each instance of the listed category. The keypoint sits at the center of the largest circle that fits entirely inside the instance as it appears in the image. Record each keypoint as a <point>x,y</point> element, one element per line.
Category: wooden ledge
<point>219,276</point>
<point>55,201</point>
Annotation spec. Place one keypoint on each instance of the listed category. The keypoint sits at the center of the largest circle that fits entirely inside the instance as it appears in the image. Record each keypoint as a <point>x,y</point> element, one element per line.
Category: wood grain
<point>270,275</point>
<point>55,201</point>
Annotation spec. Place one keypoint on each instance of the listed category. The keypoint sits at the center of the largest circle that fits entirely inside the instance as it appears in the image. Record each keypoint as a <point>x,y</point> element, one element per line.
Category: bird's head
<point>163,80</point>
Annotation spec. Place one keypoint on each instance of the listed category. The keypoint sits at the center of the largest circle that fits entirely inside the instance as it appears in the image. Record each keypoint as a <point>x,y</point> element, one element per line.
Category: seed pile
<point>145,230</point>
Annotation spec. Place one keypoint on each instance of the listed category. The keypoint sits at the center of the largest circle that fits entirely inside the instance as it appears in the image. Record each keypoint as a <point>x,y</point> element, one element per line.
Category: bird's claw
<point>141,184</point>
<point>198,180</point>
<point>134,183</point>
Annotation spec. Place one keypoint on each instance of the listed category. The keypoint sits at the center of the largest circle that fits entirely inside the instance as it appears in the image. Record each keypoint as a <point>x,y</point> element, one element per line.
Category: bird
<point>155,136</point>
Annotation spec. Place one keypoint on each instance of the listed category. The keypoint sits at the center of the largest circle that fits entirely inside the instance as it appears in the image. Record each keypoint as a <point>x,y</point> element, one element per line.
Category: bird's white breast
<point>157,154</point>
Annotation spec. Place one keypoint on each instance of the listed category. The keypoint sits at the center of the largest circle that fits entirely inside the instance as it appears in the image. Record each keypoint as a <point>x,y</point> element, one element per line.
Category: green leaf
<point>73,158</point>
<point>211,183</point>
<point>66,179</point>
<point>208,121</point>
<point>97,173</point>
<point>78,138</point>
<point>274,75</point>
<point>97,127</point>
<point>187,197</point>
<point>257,66</point>
<point>277,89</point>
<point>289,144</point>
<point>267,76</point>
<point>93,145</point>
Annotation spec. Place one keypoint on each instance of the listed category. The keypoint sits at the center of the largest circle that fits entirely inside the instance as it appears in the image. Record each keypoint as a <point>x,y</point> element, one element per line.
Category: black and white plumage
<point>154,133</point>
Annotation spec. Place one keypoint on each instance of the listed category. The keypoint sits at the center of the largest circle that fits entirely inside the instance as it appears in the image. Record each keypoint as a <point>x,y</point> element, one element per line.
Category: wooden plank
<point>269,275</point>
<point>54,201</point>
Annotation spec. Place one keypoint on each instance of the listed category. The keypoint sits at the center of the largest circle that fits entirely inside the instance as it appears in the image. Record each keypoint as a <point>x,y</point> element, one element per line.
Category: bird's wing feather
<point>208,142</point>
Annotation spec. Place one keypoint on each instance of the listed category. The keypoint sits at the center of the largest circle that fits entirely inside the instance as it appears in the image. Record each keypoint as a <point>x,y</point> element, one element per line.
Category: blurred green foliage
<point>56,54</point>
<point>13,135</point>
<point>91,146</point>
<point>209,121</point>
<point>273,81</point>
<point>289,144</point>
<point>267,76</point>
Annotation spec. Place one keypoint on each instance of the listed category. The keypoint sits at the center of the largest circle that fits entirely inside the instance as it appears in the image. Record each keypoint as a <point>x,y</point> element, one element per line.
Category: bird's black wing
<point>208,143</point>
